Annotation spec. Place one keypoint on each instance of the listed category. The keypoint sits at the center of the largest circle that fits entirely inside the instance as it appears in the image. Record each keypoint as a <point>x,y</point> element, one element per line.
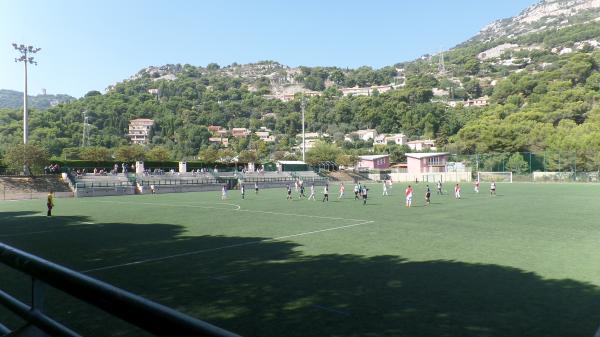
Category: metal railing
<point>145,314</point>
<point>161,182</point>
<point>106,184</point>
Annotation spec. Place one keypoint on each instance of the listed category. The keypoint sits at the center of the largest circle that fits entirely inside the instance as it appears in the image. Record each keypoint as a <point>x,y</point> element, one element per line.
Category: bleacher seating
<point>176,178</point>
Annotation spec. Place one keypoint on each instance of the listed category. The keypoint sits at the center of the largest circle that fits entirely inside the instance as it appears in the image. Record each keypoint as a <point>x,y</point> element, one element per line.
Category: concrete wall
<point>103,191</point>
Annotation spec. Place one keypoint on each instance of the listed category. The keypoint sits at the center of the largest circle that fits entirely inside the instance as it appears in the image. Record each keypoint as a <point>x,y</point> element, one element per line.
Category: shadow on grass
<point>269,288</point>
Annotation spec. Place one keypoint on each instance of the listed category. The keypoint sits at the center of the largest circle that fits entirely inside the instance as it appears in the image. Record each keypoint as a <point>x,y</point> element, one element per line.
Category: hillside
<point>14,99</point>
<point>538,70</point>
<point>549,14</point>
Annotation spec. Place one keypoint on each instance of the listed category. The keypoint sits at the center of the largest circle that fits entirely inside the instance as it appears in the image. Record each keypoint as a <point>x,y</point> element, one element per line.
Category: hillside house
<point>384,139</point>
<point>219,141</point>
<point>366,91</point>
<point>240,132</point>
<point>418,163</point>
<point>379,161</point>
<point>422,145</point>
<point>477,102</point>
<point>265,136</point>
<point>365,135</point>
<point>139,130</point>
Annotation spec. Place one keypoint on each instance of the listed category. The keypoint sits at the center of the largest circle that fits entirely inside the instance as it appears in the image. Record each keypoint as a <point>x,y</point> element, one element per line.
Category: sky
<point>89,45</point>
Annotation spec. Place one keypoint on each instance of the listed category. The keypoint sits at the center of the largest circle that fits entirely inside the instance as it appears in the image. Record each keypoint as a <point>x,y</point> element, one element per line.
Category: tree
<point>226,155</point>
<point>347,160</point>
<point>213,66</point>
<point>209,155</point>
<point>517,164</point>
<point>322,152</point>
<point>159,153</point>
<point>130,153</point>
<point>93,93</point>
<point>472,67</point>
<point>32,157</point>
<point>247,157</point>
<point>96,153</point>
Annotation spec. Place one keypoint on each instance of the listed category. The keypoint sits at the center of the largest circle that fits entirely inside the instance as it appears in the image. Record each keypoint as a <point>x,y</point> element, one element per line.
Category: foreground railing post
<point>38,289</point>
<point>147,315</point>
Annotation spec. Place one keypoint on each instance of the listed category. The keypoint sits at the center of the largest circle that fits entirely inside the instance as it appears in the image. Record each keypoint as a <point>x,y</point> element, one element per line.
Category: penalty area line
<point>237,208</point>
<point>200,251</point>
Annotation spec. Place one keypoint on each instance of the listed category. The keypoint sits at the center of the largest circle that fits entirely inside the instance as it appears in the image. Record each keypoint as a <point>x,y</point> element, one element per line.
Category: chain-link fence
<point>546,166</point>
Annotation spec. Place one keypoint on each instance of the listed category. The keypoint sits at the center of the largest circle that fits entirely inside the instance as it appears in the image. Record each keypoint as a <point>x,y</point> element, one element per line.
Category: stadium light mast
<point>302,105</point>
<point>25,58</point>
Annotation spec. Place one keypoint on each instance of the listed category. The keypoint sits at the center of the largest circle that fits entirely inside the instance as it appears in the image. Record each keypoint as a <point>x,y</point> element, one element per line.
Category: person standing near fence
<point>312,192</point>
<point>342,188</point>
<point>50,203</point>
<point>408,195</point>
<point>326,193</point>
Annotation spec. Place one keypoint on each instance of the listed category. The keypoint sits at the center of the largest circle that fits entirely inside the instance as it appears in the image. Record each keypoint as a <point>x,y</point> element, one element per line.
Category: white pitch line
<point>238,208</point>
<point>162,258</point>
<point>172,205</point>
<point>47,231</point>
<point>38,232</point>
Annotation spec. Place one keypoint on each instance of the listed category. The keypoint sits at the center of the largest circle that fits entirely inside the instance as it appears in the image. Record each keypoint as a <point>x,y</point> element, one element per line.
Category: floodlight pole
<point>25,50</point>
<point>25,111</point>
<point>302,105</point>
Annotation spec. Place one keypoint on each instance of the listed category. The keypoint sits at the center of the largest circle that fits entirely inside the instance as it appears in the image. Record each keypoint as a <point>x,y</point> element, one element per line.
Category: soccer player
<point>289,192</point>
<point>224,192</point>
<point>356,191</point>
<point>385,191</point>
<point>439,187</point>
<point>152,189</point>
<point>477,186</point>
<point>427,196</point>
<point>409,194</point>
<point>302,191</point>
<point>256,187</point>
<point>457,191</point>
<point>365,190</point>
<point>243,191</point>
<point>312,192</point>
<point>326,192</point>
<point>493,188</point>
<point>50,203</point>
<point>342,188</point>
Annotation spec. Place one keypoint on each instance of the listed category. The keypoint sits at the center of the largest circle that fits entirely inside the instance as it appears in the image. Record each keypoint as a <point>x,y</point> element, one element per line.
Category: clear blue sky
<point>88,45</point>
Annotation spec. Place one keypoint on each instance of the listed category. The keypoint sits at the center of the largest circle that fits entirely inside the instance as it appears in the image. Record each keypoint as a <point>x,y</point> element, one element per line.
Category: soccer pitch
<point>523,263</point>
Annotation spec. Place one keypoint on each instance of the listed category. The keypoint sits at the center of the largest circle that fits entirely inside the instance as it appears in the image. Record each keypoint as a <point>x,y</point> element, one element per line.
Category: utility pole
<point>441,64</point>
<point>302,105</point>
<point>86,130</point>
<point>25,51</point>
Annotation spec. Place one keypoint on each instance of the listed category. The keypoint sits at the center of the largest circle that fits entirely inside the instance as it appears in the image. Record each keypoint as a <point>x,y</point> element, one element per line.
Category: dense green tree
<point>130,153</point>
<point>96,153</point>
<point>29,157</point>
<point>158,153</point>
<point>322,152</point>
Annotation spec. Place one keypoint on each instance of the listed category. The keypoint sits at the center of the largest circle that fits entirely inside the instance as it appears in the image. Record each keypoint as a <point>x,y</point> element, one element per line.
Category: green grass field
<point>523,263</point>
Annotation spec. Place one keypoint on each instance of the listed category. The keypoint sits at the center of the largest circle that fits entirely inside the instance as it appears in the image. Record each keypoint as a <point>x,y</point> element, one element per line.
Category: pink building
<point>434,162</point>
<point>381,161</point>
